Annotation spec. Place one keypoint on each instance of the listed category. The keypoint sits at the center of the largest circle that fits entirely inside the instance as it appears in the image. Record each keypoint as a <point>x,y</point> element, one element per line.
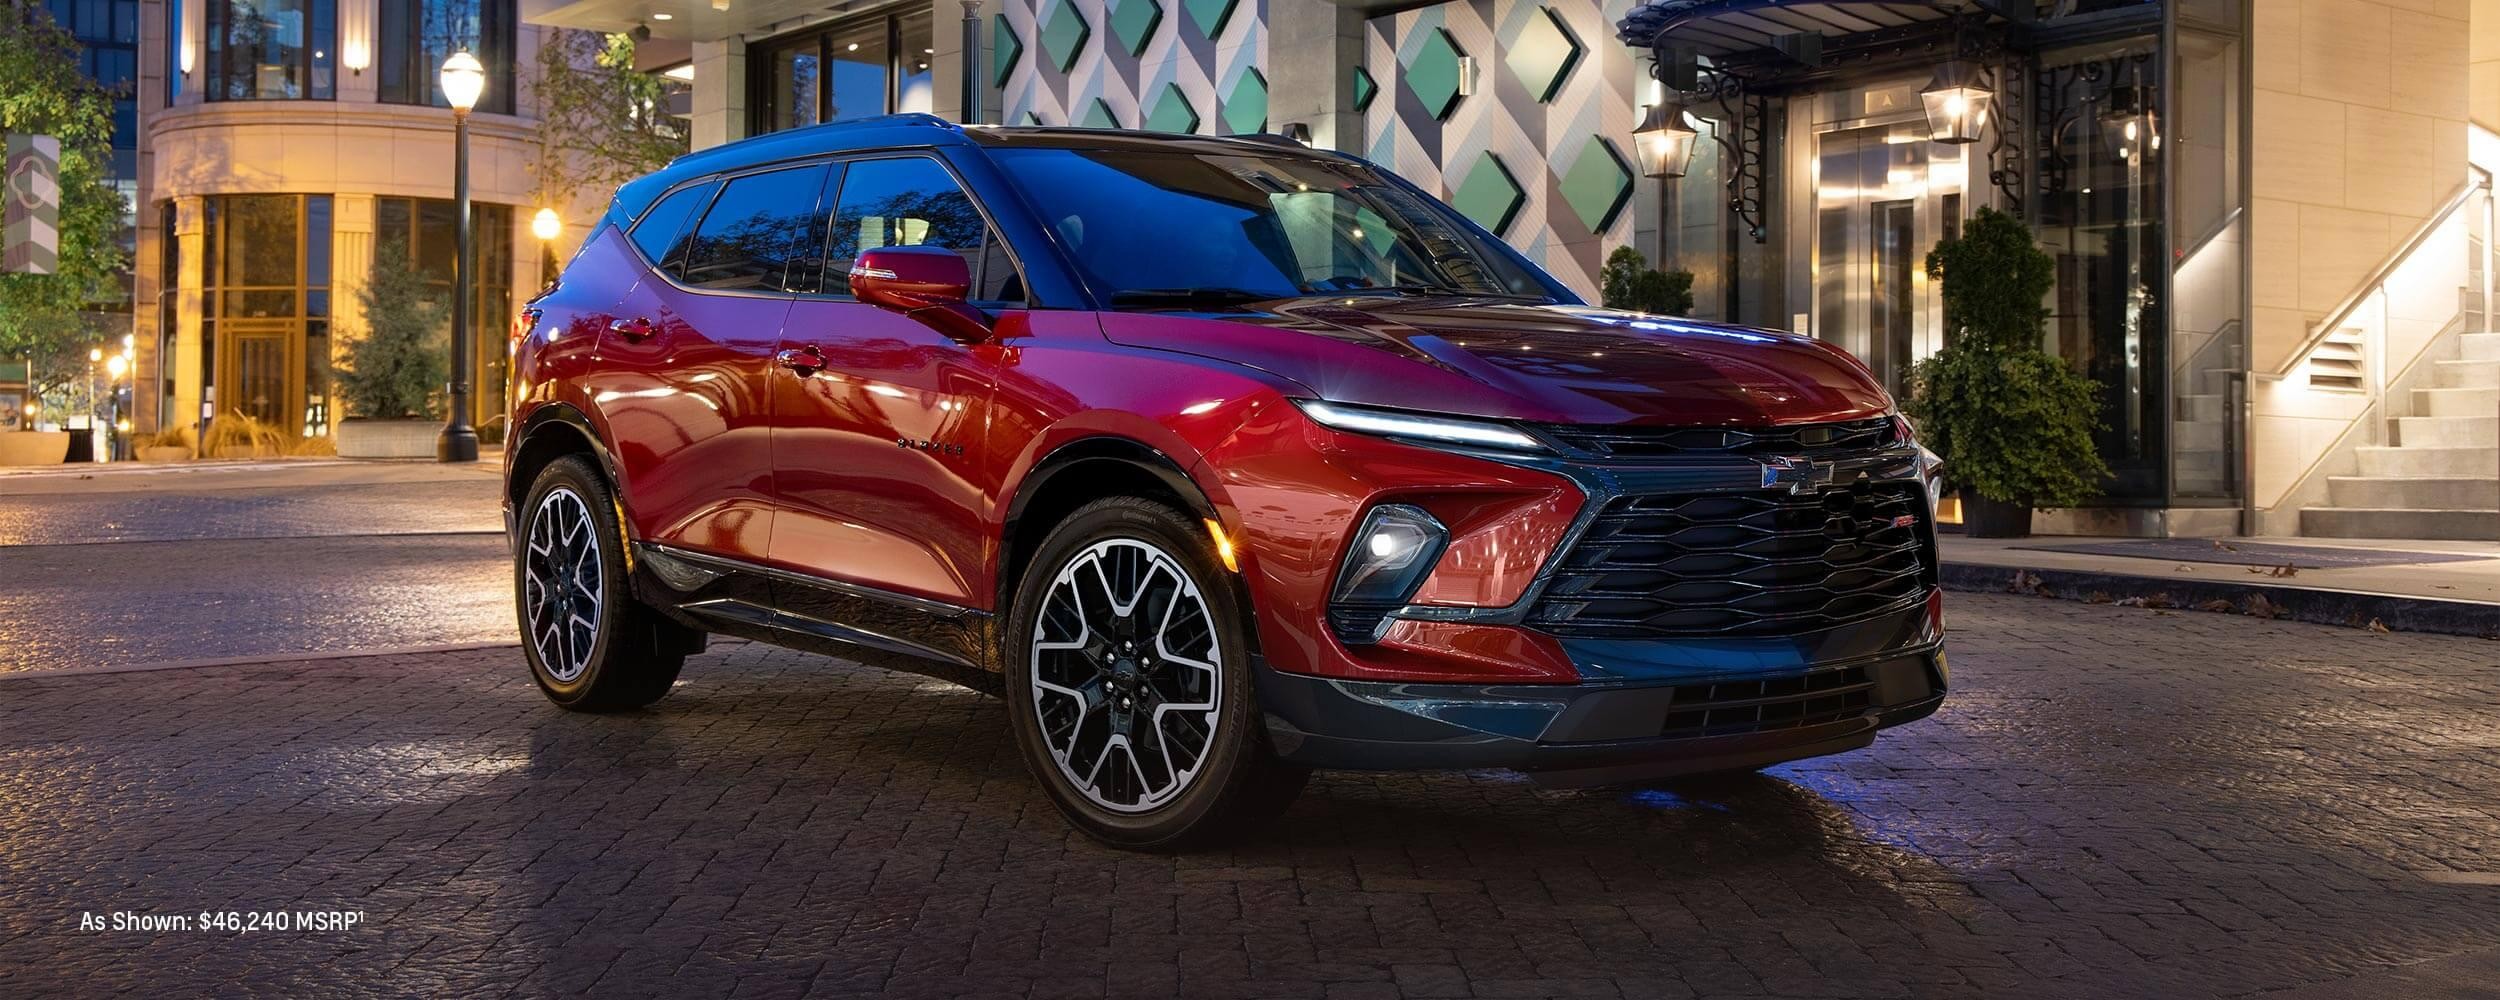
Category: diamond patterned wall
<point>1539,122</point>
<point>1207,52</point>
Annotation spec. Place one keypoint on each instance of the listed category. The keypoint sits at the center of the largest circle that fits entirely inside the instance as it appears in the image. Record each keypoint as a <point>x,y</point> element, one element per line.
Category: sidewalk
<point>2427,586</point>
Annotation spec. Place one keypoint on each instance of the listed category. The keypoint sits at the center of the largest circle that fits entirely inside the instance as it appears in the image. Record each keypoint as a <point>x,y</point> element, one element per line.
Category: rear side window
<point>659,226</point>
<point>912,201</point>
<point>759,222</point>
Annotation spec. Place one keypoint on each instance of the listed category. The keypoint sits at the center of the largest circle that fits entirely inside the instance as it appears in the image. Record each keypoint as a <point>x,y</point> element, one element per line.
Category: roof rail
<point>1269,138</point>
<point>911,119</point>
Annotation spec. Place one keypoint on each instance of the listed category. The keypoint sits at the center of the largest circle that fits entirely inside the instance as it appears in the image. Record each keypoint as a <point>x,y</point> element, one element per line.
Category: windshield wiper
<point>1206,296</point>
<point>1462,293</point>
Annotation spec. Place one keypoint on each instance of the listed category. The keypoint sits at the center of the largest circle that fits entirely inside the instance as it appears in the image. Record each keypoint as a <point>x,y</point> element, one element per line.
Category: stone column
<point>720,92</point>
<point>351,265</point>
<point>190,383</point>
<point>1312,48</point>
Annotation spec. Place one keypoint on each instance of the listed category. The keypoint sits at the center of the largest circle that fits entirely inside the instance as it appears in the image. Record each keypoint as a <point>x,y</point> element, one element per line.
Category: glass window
<point>793,90</point>
<point>417,35</point>
<point>265,331</point>
<point>911,201</point>
<point>173,49</point>
<point>1253,226</point>
<point>915,46</point>
<point>753,229</point>
<point>267,50</point>
<point>856,69</point>
<point>861,62</point>
<point>426,228</point>
<point>659,226</point>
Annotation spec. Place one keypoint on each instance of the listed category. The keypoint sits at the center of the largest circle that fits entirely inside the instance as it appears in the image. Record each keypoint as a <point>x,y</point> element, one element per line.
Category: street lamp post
<point>464,80</point>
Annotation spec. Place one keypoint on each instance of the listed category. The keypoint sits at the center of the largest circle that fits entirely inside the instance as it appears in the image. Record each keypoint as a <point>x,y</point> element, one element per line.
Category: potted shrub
<point>172,444</point>
<point>1627,282</point>
<point>391,374</point>
<point>235,434</point>
<point>2013,422</point>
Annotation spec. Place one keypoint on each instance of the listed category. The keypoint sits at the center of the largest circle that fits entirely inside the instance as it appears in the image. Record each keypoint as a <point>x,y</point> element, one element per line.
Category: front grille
<point>1737,707</point>
<point>1750,563</point>
<point>1617,441</point>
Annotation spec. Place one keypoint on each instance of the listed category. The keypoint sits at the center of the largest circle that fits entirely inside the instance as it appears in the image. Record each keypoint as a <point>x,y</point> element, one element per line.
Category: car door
<point>877,442</point>
<point>688,402</point>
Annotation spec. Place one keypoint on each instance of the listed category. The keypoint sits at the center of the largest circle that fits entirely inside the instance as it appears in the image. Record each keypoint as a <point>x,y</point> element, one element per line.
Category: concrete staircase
<point>2439,474</point>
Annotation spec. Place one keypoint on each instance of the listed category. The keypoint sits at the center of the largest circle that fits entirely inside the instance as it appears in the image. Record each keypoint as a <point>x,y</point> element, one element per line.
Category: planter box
<point>34,447</point>
<point>160,454</point>
<point>237,451</point>
<point>388,438</point>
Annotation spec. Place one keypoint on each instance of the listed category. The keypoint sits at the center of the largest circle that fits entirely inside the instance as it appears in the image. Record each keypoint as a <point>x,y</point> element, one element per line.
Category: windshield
<point>1187,227</point>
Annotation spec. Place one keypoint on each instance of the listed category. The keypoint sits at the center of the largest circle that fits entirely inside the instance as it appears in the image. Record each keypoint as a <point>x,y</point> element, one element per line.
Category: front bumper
<point>1601,732</point>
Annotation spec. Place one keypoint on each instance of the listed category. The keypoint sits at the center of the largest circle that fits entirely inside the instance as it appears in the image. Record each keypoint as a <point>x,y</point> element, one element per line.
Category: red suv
<point>1222,459</point>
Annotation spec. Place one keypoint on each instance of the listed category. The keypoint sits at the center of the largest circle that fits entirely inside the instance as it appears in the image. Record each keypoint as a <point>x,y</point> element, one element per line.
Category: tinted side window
<point>659,226</point>
<point>911,201</point>
<point>759,222</point>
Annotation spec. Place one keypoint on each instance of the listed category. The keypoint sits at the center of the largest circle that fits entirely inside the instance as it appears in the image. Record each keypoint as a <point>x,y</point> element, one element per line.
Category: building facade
<point>2270,220</point>
<point>286,142</point>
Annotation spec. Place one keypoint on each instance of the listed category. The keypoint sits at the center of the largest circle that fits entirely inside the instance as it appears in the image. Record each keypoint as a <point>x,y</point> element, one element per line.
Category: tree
<point>43,317</point>
<point>2013,422</point>
<point>601,123</point>
<point>1627,282</point>
<point>393,371</point>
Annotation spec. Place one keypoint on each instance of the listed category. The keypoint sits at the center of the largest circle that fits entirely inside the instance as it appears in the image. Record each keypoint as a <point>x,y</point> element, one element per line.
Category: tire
<point>1097,721</point>
<point>590,645</point>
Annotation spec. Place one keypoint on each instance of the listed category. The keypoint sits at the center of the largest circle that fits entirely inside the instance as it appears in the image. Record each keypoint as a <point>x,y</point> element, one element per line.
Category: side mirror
<point>926,283</point>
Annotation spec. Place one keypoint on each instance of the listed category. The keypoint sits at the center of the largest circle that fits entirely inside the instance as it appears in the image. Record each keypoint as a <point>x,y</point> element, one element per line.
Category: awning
<point>1720,28</point>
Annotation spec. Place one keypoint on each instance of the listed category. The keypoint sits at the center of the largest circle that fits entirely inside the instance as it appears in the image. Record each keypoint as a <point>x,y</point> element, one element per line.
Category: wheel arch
<point>550,433</point>
<point>1088,469</point>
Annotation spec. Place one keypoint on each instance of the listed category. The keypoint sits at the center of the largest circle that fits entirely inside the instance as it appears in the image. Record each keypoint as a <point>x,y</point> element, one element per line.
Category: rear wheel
<point>1128,680</point>
<point>590,645</point>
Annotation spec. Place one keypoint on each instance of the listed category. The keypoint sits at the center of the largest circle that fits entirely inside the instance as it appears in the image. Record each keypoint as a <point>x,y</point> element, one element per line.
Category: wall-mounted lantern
<point>2127,118</point>
<point>1664,140</point>
<point>1957,104</point>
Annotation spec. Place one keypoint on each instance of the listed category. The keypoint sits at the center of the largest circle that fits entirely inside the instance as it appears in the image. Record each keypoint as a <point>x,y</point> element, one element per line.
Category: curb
<point>2315,605</point>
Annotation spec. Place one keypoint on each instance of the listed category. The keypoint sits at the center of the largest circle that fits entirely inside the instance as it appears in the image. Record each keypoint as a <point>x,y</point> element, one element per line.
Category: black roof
<point>918,130</point>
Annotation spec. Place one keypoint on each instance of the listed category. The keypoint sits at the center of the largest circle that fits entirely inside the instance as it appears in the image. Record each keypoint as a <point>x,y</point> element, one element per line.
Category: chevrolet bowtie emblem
<point>1801,476</point>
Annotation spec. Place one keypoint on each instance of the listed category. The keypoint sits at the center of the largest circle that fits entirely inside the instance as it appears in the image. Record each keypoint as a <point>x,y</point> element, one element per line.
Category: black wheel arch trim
<point>571,417</point>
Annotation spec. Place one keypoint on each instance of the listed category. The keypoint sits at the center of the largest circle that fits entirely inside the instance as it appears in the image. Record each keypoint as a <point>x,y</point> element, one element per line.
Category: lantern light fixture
<point>546,225</point>
<point>1957,104</point>
<point>464,81</point>
<point>1664,140</point>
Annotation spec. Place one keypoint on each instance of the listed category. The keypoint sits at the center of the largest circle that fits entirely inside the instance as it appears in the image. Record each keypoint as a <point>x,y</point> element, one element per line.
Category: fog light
<point>1392,553</point>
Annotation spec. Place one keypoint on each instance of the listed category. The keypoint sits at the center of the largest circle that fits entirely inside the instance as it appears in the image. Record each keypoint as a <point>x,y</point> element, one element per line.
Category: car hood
<point>1514,361</point>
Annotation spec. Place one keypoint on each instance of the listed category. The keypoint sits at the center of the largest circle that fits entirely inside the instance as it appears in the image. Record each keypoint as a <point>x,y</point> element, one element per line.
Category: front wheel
<point>1128,681</point>
<point>590,645</point>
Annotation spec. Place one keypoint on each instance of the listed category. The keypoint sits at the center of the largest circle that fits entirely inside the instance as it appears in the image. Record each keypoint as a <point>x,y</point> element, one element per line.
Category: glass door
<point>260,374</point>
<point>1884,196</point>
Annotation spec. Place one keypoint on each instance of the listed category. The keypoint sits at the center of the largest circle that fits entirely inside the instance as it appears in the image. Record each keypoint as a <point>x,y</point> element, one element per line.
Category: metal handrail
<point>2212,233</point>
<point>2387,269</point>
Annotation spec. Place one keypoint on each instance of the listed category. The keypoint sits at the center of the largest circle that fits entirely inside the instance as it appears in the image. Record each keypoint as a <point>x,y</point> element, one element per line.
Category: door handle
<point>635,329</point>
<point>805,361</point>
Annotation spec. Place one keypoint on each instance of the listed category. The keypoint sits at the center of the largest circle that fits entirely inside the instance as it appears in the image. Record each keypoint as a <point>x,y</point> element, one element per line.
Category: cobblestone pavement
<point>176,513</point>
<point>2114,803</point>
<point>150,564</point>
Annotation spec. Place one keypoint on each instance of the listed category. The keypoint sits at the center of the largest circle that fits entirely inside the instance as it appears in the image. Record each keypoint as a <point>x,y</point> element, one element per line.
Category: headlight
<point>1417,426</point>
<point>1392,553</point>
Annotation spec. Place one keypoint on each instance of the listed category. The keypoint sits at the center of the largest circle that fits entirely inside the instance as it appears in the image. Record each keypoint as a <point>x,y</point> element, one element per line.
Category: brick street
<point>2115,802</point>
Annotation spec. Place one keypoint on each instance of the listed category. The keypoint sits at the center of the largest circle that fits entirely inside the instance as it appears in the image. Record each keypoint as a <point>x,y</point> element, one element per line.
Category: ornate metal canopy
<point>1734,54</point>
